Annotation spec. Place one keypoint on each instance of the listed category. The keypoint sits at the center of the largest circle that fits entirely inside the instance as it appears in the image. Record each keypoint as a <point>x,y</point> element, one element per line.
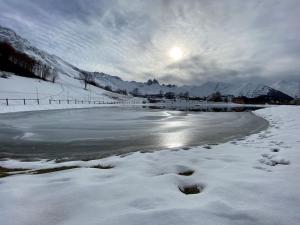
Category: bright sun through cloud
<point>176,53</point>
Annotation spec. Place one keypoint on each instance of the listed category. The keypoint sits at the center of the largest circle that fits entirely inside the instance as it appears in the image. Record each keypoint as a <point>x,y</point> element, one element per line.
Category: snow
<point>16,87</point>
<point>292,88</point>
<point>251,180</point>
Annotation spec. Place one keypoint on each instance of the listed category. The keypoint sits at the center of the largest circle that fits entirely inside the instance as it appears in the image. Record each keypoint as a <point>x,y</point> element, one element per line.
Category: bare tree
<point>135,92</point>
<point>54,75</point>
<point>87,78</point>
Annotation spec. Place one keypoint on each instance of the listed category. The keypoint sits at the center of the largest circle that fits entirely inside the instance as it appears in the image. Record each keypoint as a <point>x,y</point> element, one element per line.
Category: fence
<point>25,101</point>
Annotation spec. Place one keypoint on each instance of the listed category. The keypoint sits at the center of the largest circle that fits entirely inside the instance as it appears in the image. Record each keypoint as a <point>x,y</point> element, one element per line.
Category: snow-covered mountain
<point>292,88</point>
<point>71,75</point>
<point>67,85</point>
<point>23,45</point>
<point>250,90</point>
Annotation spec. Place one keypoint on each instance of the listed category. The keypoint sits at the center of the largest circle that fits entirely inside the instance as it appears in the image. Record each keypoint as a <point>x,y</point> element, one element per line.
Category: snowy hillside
<point>22,45</point>
<point>250,90</point>
<point>291,88</point>
<point>67,86</point>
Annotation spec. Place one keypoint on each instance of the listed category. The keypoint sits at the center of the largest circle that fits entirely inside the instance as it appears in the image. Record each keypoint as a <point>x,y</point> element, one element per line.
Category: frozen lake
<point>99,132</point>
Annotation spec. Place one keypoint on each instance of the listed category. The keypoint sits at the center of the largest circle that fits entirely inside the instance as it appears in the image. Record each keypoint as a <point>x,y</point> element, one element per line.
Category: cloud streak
<point>221,40</point>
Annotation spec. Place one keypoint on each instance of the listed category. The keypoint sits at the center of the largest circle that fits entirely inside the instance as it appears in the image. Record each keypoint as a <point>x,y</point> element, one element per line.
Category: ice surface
<point>106,131</point>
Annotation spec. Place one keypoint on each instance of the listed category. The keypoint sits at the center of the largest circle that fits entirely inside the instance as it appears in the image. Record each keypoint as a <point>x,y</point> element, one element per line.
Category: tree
<point>42,70</point>
<point>87,78</point>
<point>135,92</point>
<point>216,97</point>
<point>46,72</point>
<point>108,88</point>
<point>170,95</point>
<point>122,92</point>
<point>54,75</point>
<point>186,95</point>
<point>17,62</point>
<point>161,94</point>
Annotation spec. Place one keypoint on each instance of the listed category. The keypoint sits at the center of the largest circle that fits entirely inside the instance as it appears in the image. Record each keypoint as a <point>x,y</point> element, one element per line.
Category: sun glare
<point>175,53</point>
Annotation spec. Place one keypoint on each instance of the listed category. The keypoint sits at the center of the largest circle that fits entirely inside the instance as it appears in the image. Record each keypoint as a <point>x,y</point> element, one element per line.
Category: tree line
<point>21,64</point>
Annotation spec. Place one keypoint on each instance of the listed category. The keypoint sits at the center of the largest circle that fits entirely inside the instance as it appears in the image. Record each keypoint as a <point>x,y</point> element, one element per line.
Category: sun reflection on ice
<point>175,136</point>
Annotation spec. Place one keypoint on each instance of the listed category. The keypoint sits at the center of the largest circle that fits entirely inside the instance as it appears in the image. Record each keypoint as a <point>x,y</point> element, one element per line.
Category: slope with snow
<point>250,90</point>
<point>67,86</point>
<point>292,88</point>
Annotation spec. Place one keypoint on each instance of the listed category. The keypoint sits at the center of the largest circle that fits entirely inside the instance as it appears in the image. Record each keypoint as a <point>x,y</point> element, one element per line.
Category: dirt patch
<point>191,189</point>
<point>4,172</point>
<point>55,169</point>
<point>186,173</point>
<point>103,167</point>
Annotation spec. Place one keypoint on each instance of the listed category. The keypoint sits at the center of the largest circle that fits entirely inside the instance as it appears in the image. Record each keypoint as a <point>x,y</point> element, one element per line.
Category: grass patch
<point>103,167</point>
<point>5,172</point>
<point>52,170</point>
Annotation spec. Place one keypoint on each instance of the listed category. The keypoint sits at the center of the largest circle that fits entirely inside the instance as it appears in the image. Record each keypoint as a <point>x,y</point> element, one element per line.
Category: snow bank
<point>237,185</point>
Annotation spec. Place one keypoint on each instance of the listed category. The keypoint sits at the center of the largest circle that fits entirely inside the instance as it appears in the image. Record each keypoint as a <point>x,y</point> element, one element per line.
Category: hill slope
<point>67,85</point>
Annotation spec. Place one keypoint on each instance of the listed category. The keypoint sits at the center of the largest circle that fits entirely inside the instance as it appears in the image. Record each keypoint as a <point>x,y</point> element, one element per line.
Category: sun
<point>176,53</point>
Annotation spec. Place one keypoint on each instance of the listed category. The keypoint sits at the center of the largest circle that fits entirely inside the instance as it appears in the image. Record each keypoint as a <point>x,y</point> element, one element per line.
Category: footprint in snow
<point>272,160</point>
<point>190,189</point>
<point>275,150</point>
<point>262,168</point>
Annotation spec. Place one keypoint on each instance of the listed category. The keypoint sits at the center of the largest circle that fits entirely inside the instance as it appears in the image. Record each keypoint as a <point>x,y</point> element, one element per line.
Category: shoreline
<point>44,107</point>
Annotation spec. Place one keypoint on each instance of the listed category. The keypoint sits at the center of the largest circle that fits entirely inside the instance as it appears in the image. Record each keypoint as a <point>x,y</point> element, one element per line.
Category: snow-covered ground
<point>253,180</point>
<point>66,88</point>
<point>16,87</point>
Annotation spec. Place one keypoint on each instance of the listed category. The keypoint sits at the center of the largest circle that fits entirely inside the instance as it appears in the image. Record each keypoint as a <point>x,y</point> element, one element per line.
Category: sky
<point>214,40</point>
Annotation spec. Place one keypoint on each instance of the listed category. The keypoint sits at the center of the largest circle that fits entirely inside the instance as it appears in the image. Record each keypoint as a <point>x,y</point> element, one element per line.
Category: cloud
<point>223,40</point>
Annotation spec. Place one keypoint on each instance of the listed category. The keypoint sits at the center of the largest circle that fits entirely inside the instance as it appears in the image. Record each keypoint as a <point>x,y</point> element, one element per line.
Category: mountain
<point>19,57</point>
<point>22,45</point>
<point>40,64</point>
<point>292,88</point>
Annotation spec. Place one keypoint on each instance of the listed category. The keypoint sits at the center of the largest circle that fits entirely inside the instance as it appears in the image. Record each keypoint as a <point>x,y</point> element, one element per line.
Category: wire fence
<point>37,101</point>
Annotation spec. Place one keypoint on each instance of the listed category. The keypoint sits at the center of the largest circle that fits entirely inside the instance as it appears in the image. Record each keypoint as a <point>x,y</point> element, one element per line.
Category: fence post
<point>75,101</point>
<point>24,101</point>
<point>59,101</point>
<point>49,101</point>
<point>38,101</point>
<point>7,102</point>
<point>81,101</point>
<point>68,101</point>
